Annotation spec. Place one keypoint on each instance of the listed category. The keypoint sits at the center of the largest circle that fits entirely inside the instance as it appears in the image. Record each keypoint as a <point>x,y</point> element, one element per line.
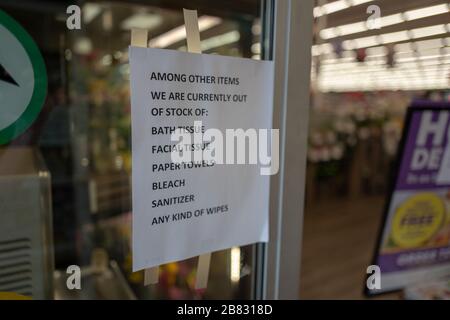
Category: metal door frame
<point>286,39</point>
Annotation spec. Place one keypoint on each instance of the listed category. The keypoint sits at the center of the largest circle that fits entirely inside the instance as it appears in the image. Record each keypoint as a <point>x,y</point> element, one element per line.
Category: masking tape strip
<point>139,38</point>
<point>151,276</point>
<point>201,281</point>
<point>193,45</point>
<point>192,31</point>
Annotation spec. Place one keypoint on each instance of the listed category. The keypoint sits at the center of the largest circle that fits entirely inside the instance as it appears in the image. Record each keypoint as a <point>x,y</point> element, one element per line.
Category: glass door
<point>71,169</point>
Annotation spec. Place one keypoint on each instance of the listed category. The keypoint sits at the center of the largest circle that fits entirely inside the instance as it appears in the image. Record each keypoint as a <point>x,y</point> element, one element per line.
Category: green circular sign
<point>23,79</point>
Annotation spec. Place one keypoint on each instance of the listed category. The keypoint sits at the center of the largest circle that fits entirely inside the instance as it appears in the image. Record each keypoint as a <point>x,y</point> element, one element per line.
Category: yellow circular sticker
<point>417,219</point>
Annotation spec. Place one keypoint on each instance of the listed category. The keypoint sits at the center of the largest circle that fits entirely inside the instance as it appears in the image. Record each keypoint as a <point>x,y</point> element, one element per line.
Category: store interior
<point>362,81</point>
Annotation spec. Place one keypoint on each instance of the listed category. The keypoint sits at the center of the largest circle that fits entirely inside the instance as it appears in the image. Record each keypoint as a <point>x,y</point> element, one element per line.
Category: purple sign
<point>414,240</point>
<point>424,150</point>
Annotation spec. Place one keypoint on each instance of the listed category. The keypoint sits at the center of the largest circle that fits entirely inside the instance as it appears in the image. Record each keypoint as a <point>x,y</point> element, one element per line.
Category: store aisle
<point>339,237</point>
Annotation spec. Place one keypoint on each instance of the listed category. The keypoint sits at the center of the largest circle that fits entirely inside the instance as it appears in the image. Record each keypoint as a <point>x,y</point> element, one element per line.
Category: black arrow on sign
<point>5,76</point>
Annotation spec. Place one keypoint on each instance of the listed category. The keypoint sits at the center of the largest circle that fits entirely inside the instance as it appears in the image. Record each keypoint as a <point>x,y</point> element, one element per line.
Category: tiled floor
<point>339,238</point>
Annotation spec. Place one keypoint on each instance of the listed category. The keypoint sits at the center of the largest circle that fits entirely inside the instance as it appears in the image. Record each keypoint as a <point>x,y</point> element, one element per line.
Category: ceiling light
<point>335,6</point>
<point>179,33</point>
<point>256,48</point>
<point>426,12</point>
<point>403,47</point>
<point>348,44</point>
<point>376,51</point>
<point>352,28</point>
<point>90,12</point>
<point>82,46</point>
<point>391,20</point>
<point>394,37</point>
<point>326,48</point>
<point>428,31</point>
<point>317,12</point>
<point>220,40</point>
<point>423,58</point>
<point>358,2</point>
<point>315,50</point>
<point>366,42</point>
<point>420,46</point>
<point>328,33</point>
<point>142,20</point>
<point>429,44</point>
<point>235,269</point>
<point>256,27</point>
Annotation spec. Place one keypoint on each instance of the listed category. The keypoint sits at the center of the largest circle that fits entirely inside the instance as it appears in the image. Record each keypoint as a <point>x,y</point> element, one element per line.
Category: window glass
<point>69,173</point>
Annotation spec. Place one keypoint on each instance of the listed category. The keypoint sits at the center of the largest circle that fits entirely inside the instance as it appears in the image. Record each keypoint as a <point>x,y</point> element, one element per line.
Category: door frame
<point>286,39</point>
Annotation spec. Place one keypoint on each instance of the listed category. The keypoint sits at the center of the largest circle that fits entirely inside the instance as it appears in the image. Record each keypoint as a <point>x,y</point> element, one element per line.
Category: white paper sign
<point>182,210</point>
